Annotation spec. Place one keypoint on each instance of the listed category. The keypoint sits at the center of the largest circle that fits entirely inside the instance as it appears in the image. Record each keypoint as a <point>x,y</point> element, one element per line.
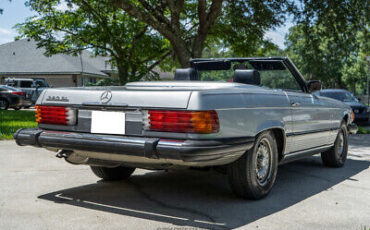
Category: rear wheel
<point>117,173</point>
<point>253,175</point>
<point>337,155</point>
<point>4,104</point>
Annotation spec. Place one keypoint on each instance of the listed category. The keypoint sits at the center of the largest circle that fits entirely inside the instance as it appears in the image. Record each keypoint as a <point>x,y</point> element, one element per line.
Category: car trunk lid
<point>116,97</point>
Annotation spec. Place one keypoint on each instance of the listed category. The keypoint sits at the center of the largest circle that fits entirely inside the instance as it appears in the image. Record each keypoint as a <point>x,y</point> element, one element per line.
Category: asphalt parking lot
<point>40,191</point>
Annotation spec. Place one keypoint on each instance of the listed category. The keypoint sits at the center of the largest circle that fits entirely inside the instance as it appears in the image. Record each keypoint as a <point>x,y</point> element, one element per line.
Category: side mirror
<point>359,99</point>
<point>314,85</point>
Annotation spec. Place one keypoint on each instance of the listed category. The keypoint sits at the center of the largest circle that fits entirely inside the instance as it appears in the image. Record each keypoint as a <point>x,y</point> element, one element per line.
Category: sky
<point>16,12</point>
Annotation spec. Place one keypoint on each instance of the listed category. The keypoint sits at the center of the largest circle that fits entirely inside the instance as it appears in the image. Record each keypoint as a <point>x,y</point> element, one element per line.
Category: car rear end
<point>13,97</point>
<point>137,126</point>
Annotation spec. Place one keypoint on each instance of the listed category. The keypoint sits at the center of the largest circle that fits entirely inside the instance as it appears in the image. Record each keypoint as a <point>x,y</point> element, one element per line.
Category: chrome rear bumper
<point>138,149</point>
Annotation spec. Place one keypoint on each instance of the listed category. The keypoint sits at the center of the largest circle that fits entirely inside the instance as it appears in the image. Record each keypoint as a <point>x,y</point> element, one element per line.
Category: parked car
<point>10,98</point>
<point>362,112</point>
<point>265,117</point>
<point>32,87</point>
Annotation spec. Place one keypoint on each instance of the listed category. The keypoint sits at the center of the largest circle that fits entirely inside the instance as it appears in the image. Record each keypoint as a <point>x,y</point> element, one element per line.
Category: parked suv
<point>32,87</point>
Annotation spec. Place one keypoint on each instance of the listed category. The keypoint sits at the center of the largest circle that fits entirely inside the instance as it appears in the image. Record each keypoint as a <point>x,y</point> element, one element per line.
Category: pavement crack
<point>167,206</point>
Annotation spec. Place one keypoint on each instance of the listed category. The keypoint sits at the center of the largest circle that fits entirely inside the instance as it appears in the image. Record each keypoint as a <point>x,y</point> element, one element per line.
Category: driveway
<point>40,191</point>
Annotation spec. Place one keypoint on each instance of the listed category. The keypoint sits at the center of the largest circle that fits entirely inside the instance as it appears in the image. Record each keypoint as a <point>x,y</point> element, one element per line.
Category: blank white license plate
<point>108,122</point>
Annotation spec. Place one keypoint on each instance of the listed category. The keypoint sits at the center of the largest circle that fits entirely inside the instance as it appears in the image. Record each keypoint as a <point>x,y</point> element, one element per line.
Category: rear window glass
<point>26,84</point>
<point>40,83</point>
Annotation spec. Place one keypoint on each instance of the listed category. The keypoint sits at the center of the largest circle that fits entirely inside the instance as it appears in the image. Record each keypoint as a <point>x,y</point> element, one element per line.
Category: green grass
<point>362,130</point>
<point>11,121</point>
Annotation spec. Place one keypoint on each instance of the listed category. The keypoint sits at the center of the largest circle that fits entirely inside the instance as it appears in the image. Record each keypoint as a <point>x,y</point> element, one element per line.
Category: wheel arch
<point>279,134</point>
<point>5,99</point>
<point>346,116</point>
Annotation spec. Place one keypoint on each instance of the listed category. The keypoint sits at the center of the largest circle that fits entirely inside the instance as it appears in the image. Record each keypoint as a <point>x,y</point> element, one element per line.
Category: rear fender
<point>274,125</point>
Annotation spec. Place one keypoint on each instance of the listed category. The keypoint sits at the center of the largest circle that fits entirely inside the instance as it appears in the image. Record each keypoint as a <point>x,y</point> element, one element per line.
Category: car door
<point>310,118</point>
<point>311,121</point>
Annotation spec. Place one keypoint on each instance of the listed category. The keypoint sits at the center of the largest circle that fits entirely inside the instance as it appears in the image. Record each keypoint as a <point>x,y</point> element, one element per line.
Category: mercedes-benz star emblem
<point>106,96</point>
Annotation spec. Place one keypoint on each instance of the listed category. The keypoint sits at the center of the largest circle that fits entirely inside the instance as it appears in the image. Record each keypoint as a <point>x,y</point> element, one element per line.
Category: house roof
<point>23,57</point>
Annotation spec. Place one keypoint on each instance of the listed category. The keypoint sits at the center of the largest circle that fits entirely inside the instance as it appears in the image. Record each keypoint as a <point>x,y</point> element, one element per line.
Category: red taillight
<point>58,115</point>
<point>18,93</point>
<point>183,121</point>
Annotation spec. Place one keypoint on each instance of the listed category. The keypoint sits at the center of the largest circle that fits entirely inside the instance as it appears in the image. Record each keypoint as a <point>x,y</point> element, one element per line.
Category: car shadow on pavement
<point>203,199</point>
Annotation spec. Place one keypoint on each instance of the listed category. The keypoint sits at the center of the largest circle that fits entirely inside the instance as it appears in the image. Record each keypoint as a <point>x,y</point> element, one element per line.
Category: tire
<point>4,104</point>
<point>110,174</point>
<point>245,177</point>
<point>337,155</point>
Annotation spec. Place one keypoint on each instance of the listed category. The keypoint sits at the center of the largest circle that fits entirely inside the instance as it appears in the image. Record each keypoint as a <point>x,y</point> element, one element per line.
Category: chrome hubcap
<point>263,161</point>
<point>340,146</point>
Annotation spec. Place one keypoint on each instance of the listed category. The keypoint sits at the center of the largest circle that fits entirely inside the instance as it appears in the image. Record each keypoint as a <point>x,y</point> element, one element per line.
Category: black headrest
<point>185,74</point>
<point>247,76</point>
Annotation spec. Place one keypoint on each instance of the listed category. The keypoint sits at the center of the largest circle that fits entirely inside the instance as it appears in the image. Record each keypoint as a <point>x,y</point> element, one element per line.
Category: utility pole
<point>367,79</point>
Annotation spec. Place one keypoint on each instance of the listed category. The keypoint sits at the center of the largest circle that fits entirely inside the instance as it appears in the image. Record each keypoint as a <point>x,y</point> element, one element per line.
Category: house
<point>22,59</point>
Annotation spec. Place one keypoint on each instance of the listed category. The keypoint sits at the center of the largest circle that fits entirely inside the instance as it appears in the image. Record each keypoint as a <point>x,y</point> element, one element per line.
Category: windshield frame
<point>285,61</point>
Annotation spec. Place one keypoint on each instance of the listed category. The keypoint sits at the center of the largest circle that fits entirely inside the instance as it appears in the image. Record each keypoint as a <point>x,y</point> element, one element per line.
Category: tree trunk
<point>182,54</point>
<point>123,75</point>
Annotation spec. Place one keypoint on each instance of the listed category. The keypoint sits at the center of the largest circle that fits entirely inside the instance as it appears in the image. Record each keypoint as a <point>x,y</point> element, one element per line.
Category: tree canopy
<point>191,25</point>
<point>330,39</point>
<point>134,48</point>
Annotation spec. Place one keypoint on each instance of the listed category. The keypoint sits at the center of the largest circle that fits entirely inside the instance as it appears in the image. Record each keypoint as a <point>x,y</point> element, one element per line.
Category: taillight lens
<point>58,115</point>
<point>352,116</point>
<point>18,93</point>
<point>182,121</point>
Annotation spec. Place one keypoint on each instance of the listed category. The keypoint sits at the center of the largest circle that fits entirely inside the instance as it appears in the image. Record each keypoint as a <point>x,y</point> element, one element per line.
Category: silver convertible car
<point>243,115</point>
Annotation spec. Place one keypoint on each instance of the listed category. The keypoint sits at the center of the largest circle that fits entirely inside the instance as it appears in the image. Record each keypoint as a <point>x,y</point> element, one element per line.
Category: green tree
<point>324,39</point>
<point>190,25</point>
<point>134,48</point>
<point>355,69</point>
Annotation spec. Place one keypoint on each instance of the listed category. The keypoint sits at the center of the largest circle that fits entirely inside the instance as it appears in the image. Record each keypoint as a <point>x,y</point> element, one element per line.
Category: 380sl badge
<point>57,98</point>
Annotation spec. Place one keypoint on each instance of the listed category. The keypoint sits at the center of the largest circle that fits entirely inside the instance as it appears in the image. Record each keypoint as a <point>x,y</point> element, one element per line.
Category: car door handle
<point>295,104</point>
